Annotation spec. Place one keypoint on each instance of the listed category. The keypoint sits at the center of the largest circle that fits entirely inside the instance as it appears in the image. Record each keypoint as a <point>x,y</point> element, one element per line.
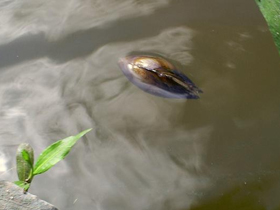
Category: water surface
<point>59,75</point>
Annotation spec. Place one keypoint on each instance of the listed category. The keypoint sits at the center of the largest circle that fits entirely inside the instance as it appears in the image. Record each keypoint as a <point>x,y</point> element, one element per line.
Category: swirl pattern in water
<point>158,77</point>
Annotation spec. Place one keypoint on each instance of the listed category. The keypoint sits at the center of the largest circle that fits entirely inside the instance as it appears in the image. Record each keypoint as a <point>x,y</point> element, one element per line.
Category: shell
<point>157,76</point>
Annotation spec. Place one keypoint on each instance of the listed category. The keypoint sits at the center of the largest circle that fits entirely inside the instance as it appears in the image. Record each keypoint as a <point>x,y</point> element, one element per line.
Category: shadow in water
<point>242,197</point>
<point>232,201</point>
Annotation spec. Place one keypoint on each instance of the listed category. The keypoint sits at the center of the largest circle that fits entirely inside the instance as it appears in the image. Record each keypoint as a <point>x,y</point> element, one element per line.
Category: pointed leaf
<point>56,152</point>
<point>26,157</point>
<point>23,185</point>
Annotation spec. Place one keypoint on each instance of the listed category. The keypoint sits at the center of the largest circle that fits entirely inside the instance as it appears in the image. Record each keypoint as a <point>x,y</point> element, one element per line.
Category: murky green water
<point>59,75</point>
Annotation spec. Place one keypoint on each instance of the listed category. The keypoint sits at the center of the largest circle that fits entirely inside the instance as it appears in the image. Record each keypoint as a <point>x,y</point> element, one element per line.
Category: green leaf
<point>25,159</point>
<point>56,152</point>
<point>23,185</point>
<point>25,155</point>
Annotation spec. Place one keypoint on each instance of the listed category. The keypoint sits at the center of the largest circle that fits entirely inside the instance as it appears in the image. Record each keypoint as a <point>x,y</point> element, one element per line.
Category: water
<point>59,75</point>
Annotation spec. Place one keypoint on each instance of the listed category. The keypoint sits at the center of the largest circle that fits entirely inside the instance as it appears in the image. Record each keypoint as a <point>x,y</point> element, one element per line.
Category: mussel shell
<point>157,76</point>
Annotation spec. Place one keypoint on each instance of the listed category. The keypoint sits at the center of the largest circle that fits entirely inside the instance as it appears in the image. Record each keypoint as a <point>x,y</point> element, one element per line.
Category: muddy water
<point>59,75</point>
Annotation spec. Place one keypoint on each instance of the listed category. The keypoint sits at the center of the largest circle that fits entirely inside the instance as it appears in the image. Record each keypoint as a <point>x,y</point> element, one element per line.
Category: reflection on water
<point>144,152</point>
<point>50,101</point>
<point>57,18</point>
<point>122,170</point>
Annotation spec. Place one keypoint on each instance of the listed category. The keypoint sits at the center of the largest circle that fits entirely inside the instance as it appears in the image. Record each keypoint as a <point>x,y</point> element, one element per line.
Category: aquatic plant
<point>271,12</point>
<point>26,169</point>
